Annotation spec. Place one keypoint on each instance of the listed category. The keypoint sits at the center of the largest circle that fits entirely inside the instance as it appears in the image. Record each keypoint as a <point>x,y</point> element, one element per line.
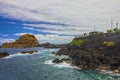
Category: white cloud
<point>81,15</point>
<point>73,12</point>
<point>6,40</point>
<point>19,34</point>
<point>56,29</point>
<point>54,39</point>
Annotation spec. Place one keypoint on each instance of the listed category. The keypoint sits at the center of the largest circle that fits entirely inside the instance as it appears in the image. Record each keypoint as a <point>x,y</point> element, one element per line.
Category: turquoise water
<point>38,66</point>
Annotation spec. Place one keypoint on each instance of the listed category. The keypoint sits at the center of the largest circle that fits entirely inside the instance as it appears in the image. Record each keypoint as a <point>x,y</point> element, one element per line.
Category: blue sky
<point>55,21</point>
<point>11,29</point>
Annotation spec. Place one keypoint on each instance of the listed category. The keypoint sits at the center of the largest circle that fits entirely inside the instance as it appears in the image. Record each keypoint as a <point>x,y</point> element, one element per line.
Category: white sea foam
<point>49,62</point>
<point>19,54</point>
<point>15,55</point>
<point>26,54</point>
<point>60,57</point>
<point>110,72</point>
<point>60,65</point>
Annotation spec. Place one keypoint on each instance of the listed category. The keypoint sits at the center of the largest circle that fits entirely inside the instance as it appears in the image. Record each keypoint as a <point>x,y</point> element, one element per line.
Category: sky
<point>55,21</point>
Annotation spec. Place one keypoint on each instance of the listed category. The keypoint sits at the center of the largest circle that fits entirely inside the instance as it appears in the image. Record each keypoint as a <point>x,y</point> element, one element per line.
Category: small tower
<point>117,25</point>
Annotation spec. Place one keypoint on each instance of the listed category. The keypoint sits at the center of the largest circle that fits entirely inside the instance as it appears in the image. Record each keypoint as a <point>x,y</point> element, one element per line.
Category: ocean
<point>39,66</point>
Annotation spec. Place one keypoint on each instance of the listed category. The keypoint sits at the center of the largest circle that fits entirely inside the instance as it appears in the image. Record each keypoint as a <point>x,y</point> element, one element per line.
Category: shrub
<point>116,30</point>
<point>110,31</point>
<point>109,43</point>
<point>77,42</point>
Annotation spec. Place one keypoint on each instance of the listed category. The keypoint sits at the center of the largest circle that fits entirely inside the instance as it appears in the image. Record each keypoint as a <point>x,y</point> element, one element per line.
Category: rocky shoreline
<point>94,51</point>
<point>3,54</point>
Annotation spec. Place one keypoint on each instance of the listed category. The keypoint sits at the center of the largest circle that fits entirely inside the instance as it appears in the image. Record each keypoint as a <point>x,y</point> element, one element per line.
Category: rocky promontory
<point>96,50</point>
<point>27,40</point>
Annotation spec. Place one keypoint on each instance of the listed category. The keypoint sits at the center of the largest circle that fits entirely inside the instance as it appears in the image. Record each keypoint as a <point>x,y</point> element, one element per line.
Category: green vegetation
<point>85,34</point>
<point>115,30</point>
<point>109,43</point>
<point>77,42</point>
<point>110,31</point>
<point>95,32</point>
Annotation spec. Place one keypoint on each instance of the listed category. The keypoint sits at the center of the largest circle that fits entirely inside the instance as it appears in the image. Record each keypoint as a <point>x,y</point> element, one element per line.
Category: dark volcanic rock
<point>27,40</point>
<point>67,60</point>
<point>94,53</point>
<point>4,54</point>
<point>30,52</point>
<point>57,60</point>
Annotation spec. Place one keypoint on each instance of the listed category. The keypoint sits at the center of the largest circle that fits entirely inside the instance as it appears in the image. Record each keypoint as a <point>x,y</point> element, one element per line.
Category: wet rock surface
<point>3,54</point>
<point>25,52</point>
<point>57,61</point>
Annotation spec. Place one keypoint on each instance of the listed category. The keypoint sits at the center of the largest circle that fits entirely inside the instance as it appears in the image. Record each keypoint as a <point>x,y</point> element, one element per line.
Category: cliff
<point>101,51</point>
<point>27,40</point>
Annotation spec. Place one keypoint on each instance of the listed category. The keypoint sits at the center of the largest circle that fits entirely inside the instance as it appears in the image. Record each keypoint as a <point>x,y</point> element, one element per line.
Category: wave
<point>110,72</point>
<point>60,57</point>
<point>49,62</point>
<point>60,65</point>
<point>19,54</point>
<point>43,51</point>
<point>15,55</point>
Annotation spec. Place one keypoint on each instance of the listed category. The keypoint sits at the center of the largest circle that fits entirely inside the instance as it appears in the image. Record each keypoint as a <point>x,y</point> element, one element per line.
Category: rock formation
<point>100,51</point>
<point>3,54</point>
<point>29,52</point>
<point>57,60</point>
<point>27,40</point>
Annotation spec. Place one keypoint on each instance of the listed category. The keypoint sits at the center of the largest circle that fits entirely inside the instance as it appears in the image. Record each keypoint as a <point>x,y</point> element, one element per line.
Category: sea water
<point>39,66</point>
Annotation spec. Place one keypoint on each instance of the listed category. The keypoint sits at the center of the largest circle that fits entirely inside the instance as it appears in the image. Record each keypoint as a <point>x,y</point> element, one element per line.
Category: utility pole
<point>111,23</point>
<point>117,25</point>
<point>94,28</point>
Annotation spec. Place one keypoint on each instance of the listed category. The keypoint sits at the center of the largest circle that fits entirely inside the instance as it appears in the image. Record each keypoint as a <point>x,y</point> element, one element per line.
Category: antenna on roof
<point>112,23</point>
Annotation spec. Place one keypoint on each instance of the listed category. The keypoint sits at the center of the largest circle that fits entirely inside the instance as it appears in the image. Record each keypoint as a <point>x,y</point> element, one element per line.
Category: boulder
<point>30,52</point>
<point>57,61</point>
<point>27,40</point>
<point>3,54</point>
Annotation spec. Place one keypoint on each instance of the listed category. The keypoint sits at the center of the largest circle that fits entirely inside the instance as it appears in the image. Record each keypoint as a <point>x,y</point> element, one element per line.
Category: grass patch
<point>77,42</point>
<point>109,43</point>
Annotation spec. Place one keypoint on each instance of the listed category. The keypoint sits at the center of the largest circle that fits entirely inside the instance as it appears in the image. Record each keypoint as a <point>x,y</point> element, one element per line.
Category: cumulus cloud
<point>19,34</point>
<point>6,40</point>
<point>51,38</point>
<point>77,12</point>
<point>56,29</point>
<point>80,15</point>
<point>54,39</point>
